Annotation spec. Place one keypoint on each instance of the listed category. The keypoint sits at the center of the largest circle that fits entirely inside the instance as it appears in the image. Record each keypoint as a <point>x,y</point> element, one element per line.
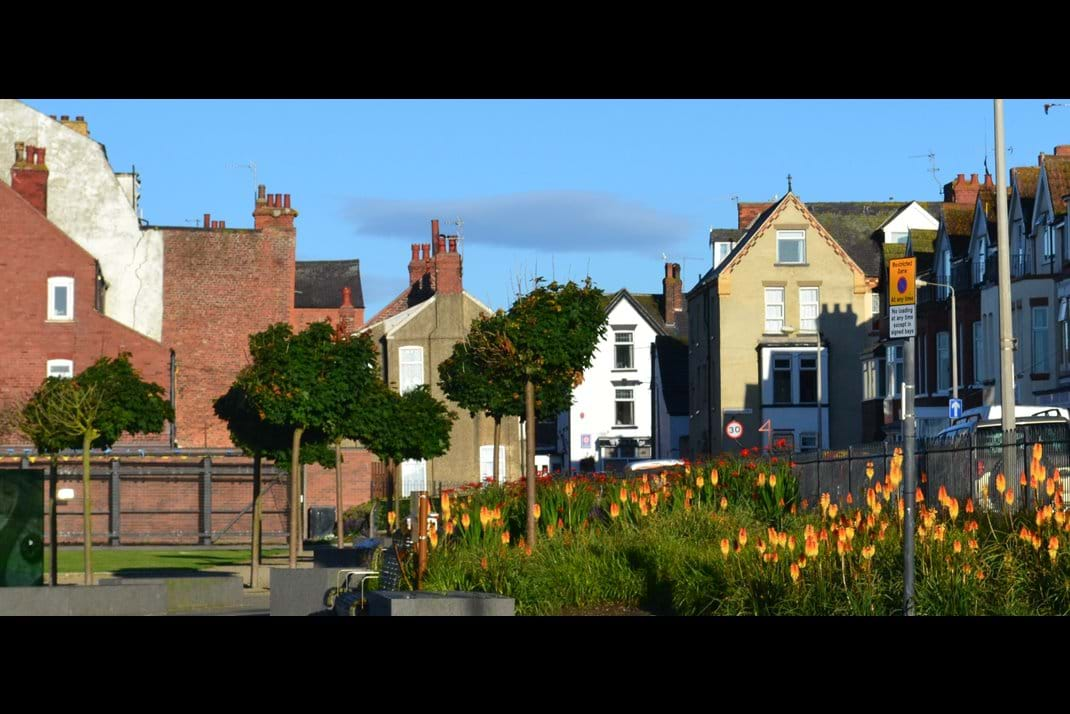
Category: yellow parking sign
<point>901,274</point>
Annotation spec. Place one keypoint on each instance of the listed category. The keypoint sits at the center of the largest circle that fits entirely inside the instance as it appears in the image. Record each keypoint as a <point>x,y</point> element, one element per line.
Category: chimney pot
<point>961,178</point>
<point>286,200</point>
<point>973,178</point>
<point>260,192</point>
<point>79,118</point>
<point>20,152</point>
<point>424,250</point>
<point>453,244</point>
<point>347,297</point>
<point>222,224</point>
<point>64,117</point>
<point>207,220</point>
<point>415,252</point>
<point>434,230</point>
<point>52,117</point>
<point>42,156</point>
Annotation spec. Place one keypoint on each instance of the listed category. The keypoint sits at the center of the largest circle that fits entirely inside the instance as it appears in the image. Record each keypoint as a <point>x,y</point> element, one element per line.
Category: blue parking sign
<point>954,408</point>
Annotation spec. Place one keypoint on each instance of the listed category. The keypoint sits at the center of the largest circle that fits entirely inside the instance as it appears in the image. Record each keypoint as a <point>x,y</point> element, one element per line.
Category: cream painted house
<point>756,318</point>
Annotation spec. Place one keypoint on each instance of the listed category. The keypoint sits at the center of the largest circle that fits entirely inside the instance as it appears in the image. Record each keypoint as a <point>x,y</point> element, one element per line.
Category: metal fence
<point>967,467</point>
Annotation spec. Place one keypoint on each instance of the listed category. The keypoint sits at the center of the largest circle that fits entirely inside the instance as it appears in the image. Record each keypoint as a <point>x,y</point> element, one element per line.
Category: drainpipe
<point>174,428</point>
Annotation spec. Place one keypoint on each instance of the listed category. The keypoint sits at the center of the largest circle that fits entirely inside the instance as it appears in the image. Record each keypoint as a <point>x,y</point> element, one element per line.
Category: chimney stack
<point>447,265</point>
<point>273,210</point>
<point>417,265</point>
<point>961,191</point>
<point>748,212</point>
<point>77,124</point>
<point>672,293</point>
<point>1062,150</point>
<point>29,175</point>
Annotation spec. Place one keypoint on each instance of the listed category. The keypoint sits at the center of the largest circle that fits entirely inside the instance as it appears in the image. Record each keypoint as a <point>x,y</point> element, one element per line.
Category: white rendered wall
<point>593,410</point>
<point>914,217</point>
<point>87,203</point>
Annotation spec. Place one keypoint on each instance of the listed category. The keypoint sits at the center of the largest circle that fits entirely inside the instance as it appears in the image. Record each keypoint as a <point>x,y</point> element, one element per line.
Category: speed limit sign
<point>733,429</point>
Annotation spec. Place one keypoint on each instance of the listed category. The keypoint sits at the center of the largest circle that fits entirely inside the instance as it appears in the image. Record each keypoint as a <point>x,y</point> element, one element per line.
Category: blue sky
<point>554,188</point>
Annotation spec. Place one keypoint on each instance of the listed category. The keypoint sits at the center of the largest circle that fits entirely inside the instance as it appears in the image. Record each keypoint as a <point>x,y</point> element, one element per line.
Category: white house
<point>616,415</point>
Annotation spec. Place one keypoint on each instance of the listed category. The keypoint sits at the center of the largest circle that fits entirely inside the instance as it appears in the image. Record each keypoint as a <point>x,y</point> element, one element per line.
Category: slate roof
<point>650,305</point>
<point>729,235</point>
<point>319,283</point>
<point>1058,170</point>
<point>923,243</point>
<point>853,225</point>
<point>672,368</point>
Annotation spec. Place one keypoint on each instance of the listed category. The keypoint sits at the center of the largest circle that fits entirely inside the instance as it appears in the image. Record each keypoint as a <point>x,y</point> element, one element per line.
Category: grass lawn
<point>110,560</point>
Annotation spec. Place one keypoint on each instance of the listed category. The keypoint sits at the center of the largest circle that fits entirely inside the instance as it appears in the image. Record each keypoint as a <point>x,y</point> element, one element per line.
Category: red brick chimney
<point>272,210</point>
<point>748,212</point>
<point>672,288</point>
<point>447,268</point>
<point>29,175</point>
<point>962,191</point>
<point>1062,150</point>
<point>347,314</point>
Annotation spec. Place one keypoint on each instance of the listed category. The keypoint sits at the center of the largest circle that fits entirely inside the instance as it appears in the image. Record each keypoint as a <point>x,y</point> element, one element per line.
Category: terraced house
<point>779,324</point>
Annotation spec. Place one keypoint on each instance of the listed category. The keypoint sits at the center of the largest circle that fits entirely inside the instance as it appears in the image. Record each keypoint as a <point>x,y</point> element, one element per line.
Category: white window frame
<point>60,364</point>
<point>807,440</point>
<point>624,338</point>
<point>791,236</point>
<point>413,477</point>
<point>407,357</point>
<point>1049,243</point>
<point>486,462</point>
<point>943,358</point>
<point>721,249</point>
<point>982,258</point>
<point>943,273</point>
<point>53,284</point>
<point>809,302</point>
<point>623,396</point>
<point>1039,342</point>
<point>875,304</point>
<point>1064,333</point>
<point>774,325</point>
<point>893,369</point>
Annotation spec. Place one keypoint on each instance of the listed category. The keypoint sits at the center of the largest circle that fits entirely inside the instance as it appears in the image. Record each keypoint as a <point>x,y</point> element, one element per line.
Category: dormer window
<point>943,273</point>
<point>982,256</point>
<point>61,299</point>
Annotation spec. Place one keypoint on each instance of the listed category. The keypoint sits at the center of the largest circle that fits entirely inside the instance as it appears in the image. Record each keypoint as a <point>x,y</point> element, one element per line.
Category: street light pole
<point>817,334</point>
<point>954,336</point>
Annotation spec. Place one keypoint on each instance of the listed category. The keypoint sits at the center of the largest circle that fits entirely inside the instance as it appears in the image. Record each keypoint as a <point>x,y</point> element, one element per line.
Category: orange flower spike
<point>483,562</point>
<point>969,505</point>
<point>811,547</point>
<point>973,544</point>
<point>724,547</point>
<point>773,537</point>
<point>900,507</point>
<point>941,496</point>
<point>560,524</point>
<point>688,495</point>
<point>1060,518</point>
<point>953,509</point>
<point>919,497</point>
<point>869,470</point>
<point>1009,497</point>
<point>791,543</point>
<point>537,510</point>
<point>614,510</point>
<point>700,482</point>
<point>505,538</point>
<point>687,504</point>
<point>1039,518</point>
<point>714,477</point>
<point>980,575</point>
<point>449,528</point>
<point>772,480</point>
<point>823,535</point>
<point>850,498</point>
<point>868,551</point>
<point>760,545</point>
<point>743,536</point>
<point>1037,542</point>
<point>802,561</point>
<point>841,547</point>
<point>391,518</point>
<point>782,540</point>
<point>1038,451</point>
<point>549,531</point>
<point>1022,480</point>
<point>634,497</point>
<point>761,480</point>
<point>623,494</point>
<point>1001,483</point>
<point>1049,487</point>
<point>465,520</point>
<point>653,501</point>
<point>924,477</point>
<point>1053,548</point>
<point>850,533</point>
<point>795,572</point>
<point>956,546</point>
<point>724,503</point>
<point>433,537</point>
<point>833,510</point>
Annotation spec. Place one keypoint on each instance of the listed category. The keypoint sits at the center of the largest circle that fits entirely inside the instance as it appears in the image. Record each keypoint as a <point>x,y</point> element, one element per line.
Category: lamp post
<point>787,330</point>
<point>954,331</point>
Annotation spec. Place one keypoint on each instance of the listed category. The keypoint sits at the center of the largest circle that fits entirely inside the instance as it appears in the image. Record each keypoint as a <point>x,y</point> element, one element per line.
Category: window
<point>61,298</point>
<point>982,256</point>
<point>875,304</point>
<point>978,353</point>
<point>895,372</point>
<point>807,379</point>
<point>921,381</point>
<point>899,237</point>
<point>413,477</point>
<point>625,407</point>
<point>808,309</point>
<point>623,350</point>
<point>1064,334</point>
<point>411,363</point>
<point>721,249</point>
<point>869,379</point>
<point>60,368</point>
<point>1040,339</point>
<point>486,462</point>
<point>782,379</point>
<point>808,440</point>
<point>787,436</point>
<point>774,310</point>
<point>791,246</point>
<point>943,361</point>
<point>1049,243</point>
<point>943,273</point>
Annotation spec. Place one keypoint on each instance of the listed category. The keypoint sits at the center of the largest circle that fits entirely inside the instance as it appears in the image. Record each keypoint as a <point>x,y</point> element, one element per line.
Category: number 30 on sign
<point>733,429</point>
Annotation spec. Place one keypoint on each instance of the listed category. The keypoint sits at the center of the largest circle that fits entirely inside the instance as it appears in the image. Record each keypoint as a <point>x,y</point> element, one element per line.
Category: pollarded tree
<point>402,427</point>
<point>94,409</point>
<point>550,335</point>
<point>259,439</point>
<point>311,380</point>
<point>478,378</point>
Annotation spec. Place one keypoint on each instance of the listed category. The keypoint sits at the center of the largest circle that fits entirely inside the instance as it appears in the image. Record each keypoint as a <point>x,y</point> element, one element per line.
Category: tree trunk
<point>295,496</point>
<point>529,417</point>
<point>394,474</point>
<point>257,506</point>
<point>339,520</point>
<point>497,446</point>
<point>53,477</point>
<point>87,508</point>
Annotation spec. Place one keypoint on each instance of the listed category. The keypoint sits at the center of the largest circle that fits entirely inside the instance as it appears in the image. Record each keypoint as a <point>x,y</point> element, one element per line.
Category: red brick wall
<point>220,287</point>
<point>305,316</point>
<point>356,481</point>
<point>31,251</point>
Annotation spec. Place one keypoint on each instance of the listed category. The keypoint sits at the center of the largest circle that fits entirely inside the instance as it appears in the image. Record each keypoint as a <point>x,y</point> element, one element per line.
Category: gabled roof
<point>650,307</point>
<point>1057,169</point>
<point>958,219</point>
<point>853,224</point>
<point>398,319</point>
<point>672,373</point>
<point>319,283</point>
<point>409,297</point>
